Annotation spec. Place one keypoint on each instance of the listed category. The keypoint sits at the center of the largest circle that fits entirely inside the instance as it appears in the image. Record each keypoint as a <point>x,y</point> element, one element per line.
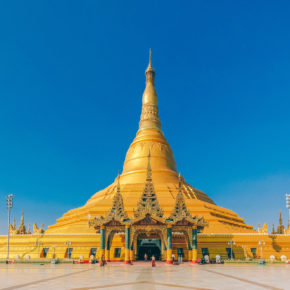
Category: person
<point>173,257</point>
<point>145,257</point>
<point>153,261</point>
<point>102,261</point>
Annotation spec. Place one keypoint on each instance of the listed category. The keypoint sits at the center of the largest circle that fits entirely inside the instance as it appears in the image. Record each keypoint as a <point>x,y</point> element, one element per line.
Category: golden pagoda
<point>150,138</point>
<point>149,208</point>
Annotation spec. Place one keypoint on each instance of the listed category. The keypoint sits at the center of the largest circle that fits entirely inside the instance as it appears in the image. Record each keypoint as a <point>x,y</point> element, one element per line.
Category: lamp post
<point>68,244</point>
<point>262,243</point>
<point>231,243</point>
<point>9,207</point>
<point>288,207</point>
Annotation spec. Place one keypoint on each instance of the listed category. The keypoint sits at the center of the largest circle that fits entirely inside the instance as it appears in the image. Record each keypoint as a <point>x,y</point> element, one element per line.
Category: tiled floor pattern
<point>142,276</point>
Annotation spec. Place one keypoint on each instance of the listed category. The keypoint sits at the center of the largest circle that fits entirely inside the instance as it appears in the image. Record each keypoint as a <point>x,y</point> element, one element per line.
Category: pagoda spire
<point>150,68</point>
<point>180,210</point>
<point>117,211</point>
<point>22,218</point>
<point>22,229</point>
<point>118,184</point>
<point>148,202</point>
<point>149,136</point>
<point>280,228</point>
<point>280,218</point>
<point>273,229</point>
<point>149,116</point>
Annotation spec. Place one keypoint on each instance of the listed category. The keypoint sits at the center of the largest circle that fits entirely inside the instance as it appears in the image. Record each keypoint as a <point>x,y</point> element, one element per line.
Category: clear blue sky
<point>71,82</point>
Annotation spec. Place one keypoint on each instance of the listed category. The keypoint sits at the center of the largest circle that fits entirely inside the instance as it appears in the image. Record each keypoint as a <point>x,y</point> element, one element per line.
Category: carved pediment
<point>149,220</point>
<point>183,222</point>
<point>112,223</point>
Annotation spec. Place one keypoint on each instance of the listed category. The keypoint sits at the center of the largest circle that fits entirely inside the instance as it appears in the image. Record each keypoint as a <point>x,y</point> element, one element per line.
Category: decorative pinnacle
<point>179,182</point>
<point>150,68</point>
<point>118,184</point>
<point>22,218</point>
<point>280,218</point>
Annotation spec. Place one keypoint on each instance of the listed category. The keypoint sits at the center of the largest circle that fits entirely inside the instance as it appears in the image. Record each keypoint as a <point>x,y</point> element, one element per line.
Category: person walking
<point>173,258</point>
<point>153,261</point>
<point>145,257</point>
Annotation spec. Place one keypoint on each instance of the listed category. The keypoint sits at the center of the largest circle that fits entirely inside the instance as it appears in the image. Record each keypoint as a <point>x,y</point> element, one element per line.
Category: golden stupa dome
<point>150,138</point>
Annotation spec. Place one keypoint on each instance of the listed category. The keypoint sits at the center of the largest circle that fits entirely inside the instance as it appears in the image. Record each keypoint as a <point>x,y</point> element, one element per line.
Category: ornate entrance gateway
<point>148,223</point>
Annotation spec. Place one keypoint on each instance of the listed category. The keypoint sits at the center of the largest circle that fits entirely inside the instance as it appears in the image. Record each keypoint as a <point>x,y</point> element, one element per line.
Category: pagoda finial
<point>149,115</point>
<point>150,73</point>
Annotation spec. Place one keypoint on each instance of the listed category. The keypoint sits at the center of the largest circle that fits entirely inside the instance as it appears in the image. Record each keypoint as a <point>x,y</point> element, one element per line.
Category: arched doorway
<point>149,244</point>
<point>150,247</point>
<point>150,240</point>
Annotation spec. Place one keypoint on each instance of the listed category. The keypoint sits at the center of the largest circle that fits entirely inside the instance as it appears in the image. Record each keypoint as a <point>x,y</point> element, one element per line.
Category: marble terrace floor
<point>142,276</point>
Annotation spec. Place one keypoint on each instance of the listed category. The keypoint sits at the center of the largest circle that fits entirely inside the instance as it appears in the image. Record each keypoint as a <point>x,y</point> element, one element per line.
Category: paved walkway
<point>142,276</point>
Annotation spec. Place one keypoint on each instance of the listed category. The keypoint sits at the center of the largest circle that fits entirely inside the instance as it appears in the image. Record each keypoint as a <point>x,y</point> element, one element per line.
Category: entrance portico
<point>149,231</point>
